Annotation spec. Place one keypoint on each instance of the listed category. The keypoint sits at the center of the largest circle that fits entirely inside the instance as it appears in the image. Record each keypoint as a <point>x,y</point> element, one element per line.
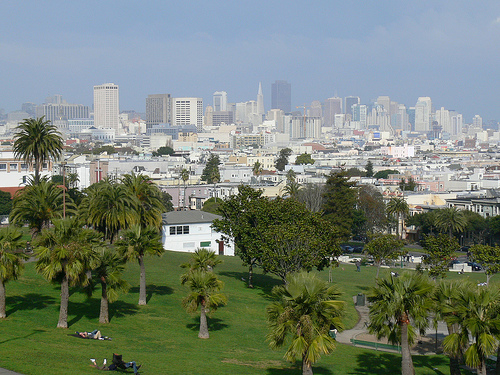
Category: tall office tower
<point>349,102</point>
<point>187,111</point>
<point>55,99</point>
<point>281,96</point>
<point>411,118</point>
<point>158,110</point>
<point>457,123</point>
<point>444,120</point>
<point>208,119</point>
<point>298,130</point>
<point>276,115</point>
<point>316,109</point>
<point>359,113</point>
<point>385,102</point>
<point>54,111</point>
<point>106,106</point>
<point>402,122</point>
<point>423,113</point>
<point>332,107</point>
<point>477,121</point>
<point>29,108</point>
<point>220,101</point>
<point>260,101</point>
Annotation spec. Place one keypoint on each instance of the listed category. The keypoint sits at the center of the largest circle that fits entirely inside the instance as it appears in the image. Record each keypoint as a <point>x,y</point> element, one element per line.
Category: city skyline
<point>444,50</point>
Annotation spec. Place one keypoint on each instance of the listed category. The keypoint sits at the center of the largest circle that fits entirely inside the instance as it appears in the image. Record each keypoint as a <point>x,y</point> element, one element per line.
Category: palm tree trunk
<point>306,367</point>
<point>406,360</point>
<point>203,334</point>
<point>2,299</point>
<point>378,270</point>
<point>104,313</point>
<point>250,276</point>
<point>454,358</point>
<point>482,370</point>
<point>37,171</point>
<point>63,311</point>
<point>142,282</point>
<point>397,225</point>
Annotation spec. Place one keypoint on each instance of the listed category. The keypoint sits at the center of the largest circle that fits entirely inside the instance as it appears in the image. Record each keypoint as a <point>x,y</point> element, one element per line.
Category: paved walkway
<point>8,372</point>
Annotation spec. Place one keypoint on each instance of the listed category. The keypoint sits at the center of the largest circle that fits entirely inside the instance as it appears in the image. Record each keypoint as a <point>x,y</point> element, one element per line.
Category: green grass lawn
<point>163,337</point>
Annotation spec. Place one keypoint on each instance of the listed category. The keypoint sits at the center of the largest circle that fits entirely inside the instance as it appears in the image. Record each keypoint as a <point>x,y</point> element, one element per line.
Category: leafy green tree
<point>424,221</point>
<point>398,208</point>
<point>109,207</point>
<point>488,257</point>
<point>292,238</point>
<point>166,200</point>
<point>212,205</point>
<point>38,204</point>
<point>339,202</point>
<point>305,309</point>
<point>440,250</point>
<point>450,220</point>
<point>384,174</point>
<point>5,203</point>
<point>211,172</point>
<point>476,313</point>
<point>110,150</point>
<point>304,159</point>
<point>407,185</point>
<point>371,203</point>
<point>369,169</point>
<point>202,259</point>
<point>282,159</point>
<point>148,205</point>
<point>399,307</point>
<point>11,260</point>
<point>137,242</point>
<point>65,253</point>
<point>206,295</point>
<point>355,172</point>
<point>384,248</point>
<point>108,272</point>
<point>36,142</point>
<point>164,150</point>
<point>241,223</point>
<point>292,187</point>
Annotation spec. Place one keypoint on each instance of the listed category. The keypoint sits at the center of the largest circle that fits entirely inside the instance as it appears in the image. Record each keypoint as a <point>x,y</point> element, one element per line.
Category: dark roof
<point>188,217</point>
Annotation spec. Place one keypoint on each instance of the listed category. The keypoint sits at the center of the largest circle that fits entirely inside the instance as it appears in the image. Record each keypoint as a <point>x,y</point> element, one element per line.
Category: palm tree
<point>292,186</point>
<point>257,169</point>
<point>451,220</point>
<point>205,294</point>
<point>201,259</point>
<point>476,313</point>
<point>445,298</point>
<point>400,305</point>
<point>108,207</point>
<point>37,141</point>
<point>11,260</point>
<point>306,308</point>
<point>148,204</point>
<point>185,178</point>
<point>39,204</point>
<point>108,272</point>
<point>66,252</point>
<point>399,208</point>
<point>137,242</point>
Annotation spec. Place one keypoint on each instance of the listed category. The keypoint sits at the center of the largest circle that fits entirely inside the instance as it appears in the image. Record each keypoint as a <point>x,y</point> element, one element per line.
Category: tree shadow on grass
<point>297,369</point>
<point>92,307</point>
<point>30,301</point>
<point>264,283</point>
<point>214,324</point>
<point>151,289</point>
<point>388,363</point>
<point>25,336</point>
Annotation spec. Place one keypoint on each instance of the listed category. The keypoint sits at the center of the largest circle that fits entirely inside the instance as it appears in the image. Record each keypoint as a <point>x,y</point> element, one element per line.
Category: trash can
<point>360,299</point>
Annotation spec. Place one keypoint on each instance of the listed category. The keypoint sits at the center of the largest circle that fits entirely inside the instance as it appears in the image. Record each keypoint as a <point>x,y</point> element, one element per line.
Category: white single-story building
<point>189,230</point>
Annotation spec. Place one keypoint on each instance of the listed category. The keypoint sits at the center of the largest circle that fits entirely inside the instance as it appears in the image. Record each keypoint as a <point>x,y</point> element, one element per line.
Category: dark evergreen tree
<point>211,172</point>
<point>369,169</point>
<point>282,160</point>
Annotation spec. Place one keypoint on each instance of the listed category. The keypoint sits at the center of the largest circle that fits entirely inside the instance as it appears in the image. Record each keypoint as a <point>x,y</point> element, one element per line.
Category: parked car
<point>475,266</point>
<point>347,248</point>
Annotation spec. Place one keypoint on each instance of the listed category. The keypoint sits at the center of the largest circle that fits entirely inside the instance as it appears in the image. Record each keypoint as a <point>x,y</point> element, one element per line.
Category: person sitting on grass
<point>116,364</point>
<point>95,334</point>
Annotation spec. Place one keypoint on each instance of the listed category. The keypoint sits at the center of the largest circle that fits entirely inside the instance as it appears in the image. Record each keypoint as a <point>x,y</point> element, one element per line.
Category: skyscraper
<point>332,107</point>
<point>260,101</point>
<point>187,111</point>
<point>349,102</point>
<point>158,110</point>
<point>281,96</point>
<point>106,106</point>
<point>220,101</point>
<point>423,112</point>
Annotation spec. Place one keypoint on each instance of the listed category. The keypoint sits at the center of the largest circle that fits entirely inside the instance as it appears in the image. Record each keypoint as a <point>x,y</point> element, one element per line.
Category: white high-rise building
<point>457,123</point>
<point>187,111</point>
<point>220,101</point>
<point>260,102</point>
<point>444,120</point>
<point>423,113</point>
<point>106,106</point>
<point>477,121</point>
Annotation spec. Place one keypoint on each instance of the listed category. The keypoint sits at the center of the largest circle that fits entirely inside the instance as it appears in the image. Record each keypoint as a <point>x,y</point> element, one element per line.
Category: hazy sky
<point>448,50</point>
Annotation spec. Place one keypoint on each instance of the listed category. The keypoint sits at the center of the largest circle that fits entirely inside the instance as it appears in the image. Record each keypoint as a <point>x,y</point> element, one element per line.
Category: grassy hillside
<point>163,337</point>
